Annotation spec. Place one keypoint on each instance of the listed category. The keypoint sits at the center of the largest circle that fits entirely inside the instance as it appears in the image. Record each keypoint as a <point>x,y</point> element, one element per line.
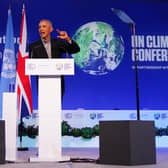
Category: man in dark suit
<point>47,47</point>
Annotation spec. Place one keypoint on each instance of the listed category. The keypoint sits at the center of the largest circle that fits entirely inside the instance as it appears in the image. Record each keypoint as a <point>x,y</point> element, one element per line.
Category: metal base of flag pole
<point>22,149</point>
<point>49,159</point>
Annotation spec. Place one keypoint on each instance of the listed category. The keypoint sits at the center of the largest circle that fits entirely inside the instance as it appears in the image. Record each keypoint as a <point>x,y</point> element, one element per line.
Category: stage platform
<point>80,158</point>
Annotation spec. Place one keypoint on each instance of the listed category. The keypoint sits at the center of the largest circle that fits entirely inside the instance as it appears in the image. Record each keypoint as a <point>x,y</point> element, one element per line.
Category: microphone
<point>31,53</point>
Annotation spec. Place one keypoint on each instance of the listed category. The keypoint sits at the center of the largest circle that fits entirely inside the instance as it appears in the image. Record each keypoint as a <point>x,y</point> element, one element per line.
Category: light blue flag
<point>123,16</point>
<point>8,71</point>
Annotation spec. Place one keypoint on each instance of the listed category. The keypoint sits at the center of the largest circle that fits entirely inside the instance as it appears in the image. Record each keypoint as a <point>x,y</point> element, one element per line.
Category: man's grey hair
<point>47,20</point>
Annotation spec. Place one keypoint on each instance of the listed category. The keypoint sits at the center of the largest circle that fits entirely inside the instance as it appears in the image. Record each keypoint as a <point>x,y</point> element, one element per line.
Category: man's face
<point>45,28</point>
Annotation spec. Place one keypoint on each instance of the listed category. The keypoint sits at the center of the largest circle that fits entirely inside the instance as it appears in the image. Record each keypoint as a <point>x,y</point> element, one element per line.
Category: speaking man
<point>47,47</point>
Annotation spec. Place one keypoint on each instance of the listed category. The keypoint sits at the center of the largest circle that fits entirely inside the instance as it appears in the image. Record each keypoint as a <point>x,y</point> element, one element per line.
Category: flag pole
<point>21,148</point>
<point>136,72</point>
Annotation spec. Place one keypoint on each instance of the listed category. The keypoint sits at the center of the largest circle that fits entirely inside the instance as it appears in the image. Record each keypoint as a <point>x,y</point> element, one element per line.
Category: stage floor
<point>81,158</point>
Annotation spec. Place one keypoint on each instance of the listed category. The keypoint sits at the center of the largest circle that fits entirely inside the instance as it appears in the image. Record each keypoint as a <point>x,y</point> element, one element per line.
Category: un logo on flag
<point>9,66</point>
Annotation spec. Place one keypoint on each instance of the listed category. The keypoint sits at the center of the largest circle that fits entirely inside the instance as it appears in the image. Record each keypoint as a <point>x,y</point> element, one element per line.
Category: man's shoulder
<point>35,43</point>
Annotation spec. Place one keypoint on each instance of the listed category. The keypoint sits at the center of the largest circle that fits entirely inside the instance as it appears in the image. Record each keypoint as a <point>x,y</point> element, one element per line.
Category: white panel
<point>10,116</point>
<point>63,66</point>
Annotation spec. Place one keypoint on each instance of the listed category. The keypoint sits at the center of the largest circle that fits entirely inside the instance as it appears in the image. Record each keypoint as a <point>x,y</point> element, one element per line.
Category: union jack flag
<point>23,83</point>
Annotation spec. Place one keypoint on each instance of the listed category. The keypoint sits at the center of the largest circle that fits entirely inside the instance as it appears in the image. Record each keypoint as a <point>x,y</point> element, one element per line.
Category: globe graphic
<point>101,49</point>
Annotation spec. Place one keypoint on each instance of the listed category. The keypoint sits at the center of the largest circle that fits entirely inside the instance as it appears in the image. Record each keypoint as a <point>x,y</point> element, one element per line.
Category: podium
<point>49,100</point>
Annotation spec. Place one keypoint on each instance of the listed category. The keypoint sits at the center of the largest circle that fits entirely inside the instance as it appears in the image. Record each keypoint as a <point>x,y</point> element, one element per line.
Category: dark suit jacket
<point>58,47</point>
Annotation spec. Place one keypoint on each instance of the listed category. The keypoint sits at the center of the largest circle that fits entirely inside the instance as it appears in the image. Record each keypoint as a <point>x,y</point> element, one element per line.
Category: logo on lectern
<point>59,67</point>
<point>31,66</point>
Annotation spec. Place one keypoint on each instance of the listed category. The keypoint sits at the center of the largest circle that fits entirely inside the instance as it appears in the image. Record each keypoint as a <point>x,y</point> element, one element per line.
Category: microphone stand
<point>136,72</point>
